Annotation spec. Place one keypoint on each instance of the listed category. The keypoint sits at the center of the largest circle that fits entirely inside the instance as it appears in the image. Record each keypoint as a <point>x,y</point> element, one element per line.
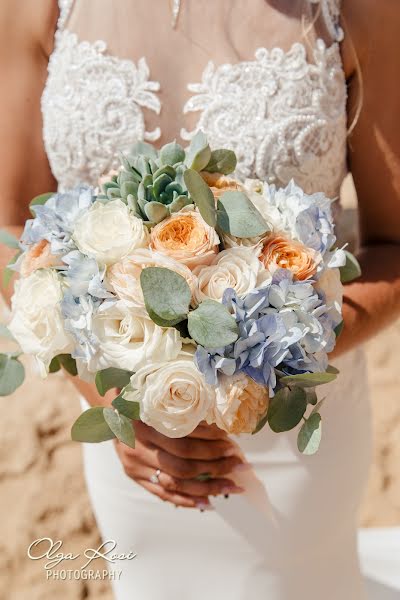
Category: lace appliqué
<point>331,15</point>
<point>92,107</point>
<point>283,116</point>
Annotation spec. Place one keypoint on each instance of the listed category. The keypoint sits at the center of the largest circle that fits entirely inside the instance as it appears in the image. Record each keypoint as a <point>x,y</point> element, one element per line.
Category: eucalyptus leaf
<point>286,409</point>
<point>54,366</point>
<point>198,154</point>
<point>238,216</point>
<point>211,325</point>
<point>261,423</point>
<point>318,406</point>
<point>9,240</point>
<point>351,270</point>
<point>8,271</point>
<point>91,426</point>
<point>338,329</point>
<point>128,408</point>
<point>12,374</point>
<point>309,437</point>
<point>312,397</point>
<point>201,195</point>
<point>121,426</point>
<point>332,369</point>
<point>308,379</point>
<point>110,378</point>
<point>68,363</point>
<point>222,161</point>
<point>166,295</point>
<point>172,153</point>
<point>39,200</point>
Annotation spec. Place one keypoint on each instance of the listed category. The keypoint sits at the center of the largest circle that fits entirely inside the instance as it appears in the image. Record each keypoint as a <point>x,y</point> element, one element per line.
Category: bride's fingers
<point>208,432</point>
<point>193,448</point>
<point>186,469</point>
<point>174,497</point>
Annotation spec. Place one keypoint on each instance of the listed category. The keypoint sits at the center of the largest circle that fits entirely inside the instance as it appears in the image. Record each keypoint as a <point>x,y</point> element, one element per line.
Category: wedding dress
<point>284,114</point>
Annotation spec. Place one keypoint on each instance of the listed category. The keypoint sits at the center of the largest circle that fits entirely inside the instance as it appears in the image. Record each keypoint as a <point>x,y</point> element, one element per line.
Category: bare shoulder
<point>372,27</point>
<point>27,24</point>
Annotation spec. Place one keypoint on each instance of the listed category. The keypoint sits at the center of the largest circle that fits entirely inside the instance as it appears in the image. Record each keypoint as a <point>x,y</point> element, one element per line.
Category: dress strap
<point>65,7</point>
<point>330,10</point>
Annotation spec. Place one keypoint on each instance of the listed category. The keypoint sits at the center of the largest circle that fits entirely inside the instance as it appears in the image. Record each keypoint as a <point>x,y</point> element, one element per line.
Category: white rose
<point>240,403</point>
<point>124,276</point>
<point>173,396</point>
<point>129,339</point>
<point>108,232</point>
<point>237,268</point>
<point>36,322</point>
<point>330,288</point>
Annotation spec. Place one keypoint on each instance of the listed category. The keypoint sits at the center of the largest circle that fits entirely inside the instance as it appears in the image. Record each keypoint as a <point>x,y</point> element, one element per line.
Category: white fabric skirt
<point>308,532</point>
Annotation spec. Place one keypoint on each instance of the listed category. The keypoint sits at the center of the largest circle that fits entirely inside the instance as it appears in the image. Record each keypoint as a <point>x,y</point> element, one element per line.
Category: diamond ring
<point>155,478</point>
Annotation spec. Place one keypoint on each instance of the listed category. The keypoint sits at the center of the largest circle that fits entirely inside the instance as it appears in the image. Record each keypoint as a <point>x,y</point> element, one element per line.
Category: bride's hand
<point>180,461</point>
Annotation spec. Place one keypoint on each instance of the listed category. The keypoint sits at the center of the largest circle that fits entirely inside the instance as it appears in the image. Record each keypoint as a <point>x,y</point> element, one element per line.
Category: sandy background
<point>42,491</point>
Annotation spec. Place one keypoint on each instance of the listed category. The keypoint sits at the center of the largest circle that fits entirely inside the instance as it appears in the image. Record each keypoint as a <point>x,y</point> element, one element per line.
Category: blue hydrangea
<point>284,325</point>
<point>84,276</point>
<point>54,221</point>
<point>78,314</point>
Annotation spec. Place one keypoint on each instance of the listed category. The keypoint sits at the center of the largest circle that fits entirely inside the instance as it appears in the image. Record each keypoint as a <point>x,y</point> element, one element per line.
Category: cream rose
<point>124,277</point>
<point>108,231</point>
<point>38,256</point>
<point>279,252</point>
<point>36,321</point>
<point>129,339</point>
<point>236,268</point>
<point>187,238</point>
<point>173,396</point>
<point>240,403</point>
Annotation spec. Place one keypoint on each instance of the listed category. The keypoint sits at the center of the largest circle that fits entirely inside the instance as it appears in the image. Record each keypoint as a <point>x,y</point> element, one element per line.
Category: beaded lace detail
<point>284,116</point>
<point>92,107</point>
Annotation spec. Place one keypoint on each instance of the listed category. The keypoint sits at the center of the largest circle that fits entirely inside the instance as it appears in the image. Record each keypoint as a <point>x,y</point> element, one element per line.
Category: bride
<point>281,82</point>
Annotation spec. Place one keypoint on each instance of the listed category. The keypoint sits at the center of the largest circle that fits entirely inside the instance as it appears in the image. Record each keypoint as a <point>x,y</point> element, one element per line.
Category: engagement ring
<point>155,478</point>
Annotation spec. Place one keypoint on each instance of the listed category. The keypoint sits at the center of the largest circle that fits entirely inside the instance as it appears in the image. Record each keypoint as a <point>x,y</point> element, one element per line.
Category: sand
<point>42,490</point>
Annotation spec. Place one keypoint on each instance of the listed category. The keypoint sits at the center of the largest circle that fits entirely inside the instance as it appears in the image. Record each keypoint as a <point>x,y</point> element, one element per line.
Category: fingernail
<point>241,467</point>
<point>230,451</point>
<point>232,489</point>
<point>204,507</point>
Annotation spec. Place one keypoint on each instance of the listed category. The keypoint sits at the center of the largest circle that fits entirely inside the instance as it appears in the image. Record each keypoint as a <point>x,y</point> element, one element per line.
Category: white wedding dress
<point>284,113</point>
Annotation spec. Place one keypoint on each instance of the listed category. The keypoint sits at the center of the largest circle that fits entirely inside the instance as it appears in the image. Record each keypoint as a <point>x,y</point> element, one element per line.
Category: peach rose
<point>279,252</point>
<point>187,238</point>
<point>38,257</point>
<point>124,276</point>
<point>220,183</point>
<point>240,403</point>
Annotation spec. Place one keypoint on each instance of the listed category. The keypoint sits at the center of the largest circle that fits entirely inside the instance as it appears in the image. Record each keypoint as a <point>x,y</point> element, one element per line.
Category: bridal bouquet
<point>199,296</point>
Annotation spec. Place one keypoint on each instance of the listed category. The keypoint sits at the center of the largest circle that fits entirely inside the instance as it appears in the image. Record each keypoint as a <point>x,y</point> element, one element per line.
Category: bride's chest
<point>282,112</point>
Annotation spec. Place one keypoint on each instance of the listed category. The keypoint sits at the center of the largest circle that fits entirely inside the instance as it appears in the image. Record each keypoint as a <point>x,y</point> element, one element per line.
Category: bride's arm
<point>373,301</point>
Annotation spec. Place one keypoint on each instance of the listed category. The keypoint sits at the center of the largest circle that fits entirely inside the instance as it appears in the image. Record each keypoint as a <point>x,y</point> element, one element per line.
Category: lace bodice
<point>282,113</point>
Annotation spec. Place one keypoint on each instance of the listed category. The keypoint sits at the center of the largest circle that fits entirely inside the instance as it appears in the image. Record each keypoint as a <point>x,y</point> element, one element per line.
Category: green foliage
<point>338,329</point>
<point>110,378</point>
<point>12,373</point>
<point>286,409</point>
<point>69,363</point>
<point>121,426</point>
<point>39,201</point>
<point>351,270</point>
<point>309,436</point>
<point>261,423</point>
<point>199,153</point>
<point>202,196</point>
<point>222,161</point>
<point>171,154</point>
<point>211,325</point>
<point>9,240</point>
<point>166,295</point>
<point>238,216</point>
<point>6,333</point>
<point>128,408</point>
<point>91,426</point>
<point>307,380</point>
<point>8,273</point>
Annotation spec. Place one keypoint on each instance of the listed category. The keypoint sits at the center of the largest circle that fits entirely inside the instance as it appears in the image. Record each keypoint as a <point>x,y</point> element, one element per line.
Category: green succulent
<point>152,181</point>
